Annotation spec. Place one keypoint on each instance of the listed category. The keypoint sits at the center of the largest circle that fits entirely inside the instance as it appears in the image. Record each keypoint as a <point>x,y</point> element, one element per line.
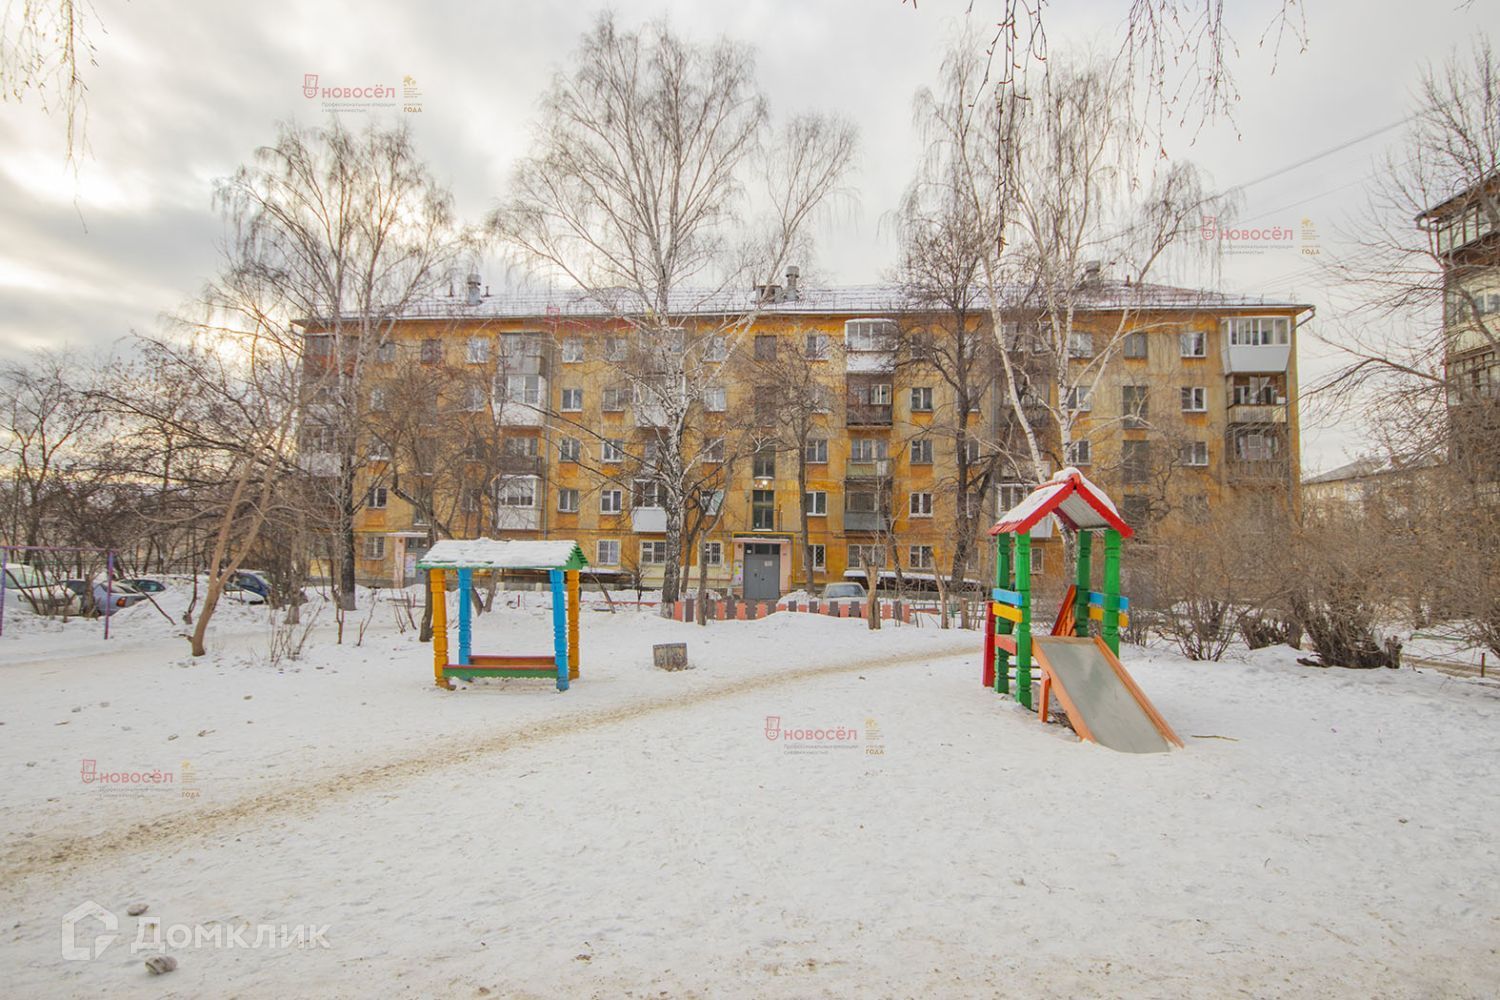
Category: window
<point>1135,461</point>
<point>713,450</point>
<point>374,547</point>
<point>921,399</point>
<point>919,556</point>
<point>319,437</point>
<point>920,505</point>
<point>714,400</point>
<point>615,398</point>
<point>1194,399</point>
<point>611,502</point>
<point>1080,452</point>
<point>1195,507</point>
<point>1256,446</point>
<point>921,451</point>
<point>765,347</point>
<point>613,451</point>
<point>521,353</point>
<point>524,389</point>
<point>649,493</point>
<point>477,350</point>
<point>1135,405</point>
<point>572,349</point>
<point>872,394</point>
<point>861,555</point>
<point>432,351</point>
<point>1080,345</point>
<point>386,352</point>
<point>1195,453</point>
<point>615,348</point>
<point>1257,390</point>
<point>379,450</point>
<point>376,498</point>
<point>869,334</point>
<point>1136,511</point>
<point>519,447</point>
<point>474,399</point>
<point>570,449</point>
<point>608,552</point>
<point>822,399</point>
<point>1080,398</point>
<point>716,348</point>
<point>653,553</point>
<point>1011,495</point>
<point>1193,344</point>
<point>867,450</point>
<point>713,553</point>
<point>1258,331</point>
<point>473,500</point>
<point>819,556</point>
<point>567,500</point>
<point>651,453</point>
<point>517,492</point>
<point>815,503</point>
<point>377,400</point>
<point>765,397</point>
<point>816,347</point>
<point>971,450</point>
<point>1135,346</point>
<point>1038,561</point>
<point>816,451</point>
<point>762,510</point>
<point>764,464</point>
<point>572,400</point>
<point>711,501</point>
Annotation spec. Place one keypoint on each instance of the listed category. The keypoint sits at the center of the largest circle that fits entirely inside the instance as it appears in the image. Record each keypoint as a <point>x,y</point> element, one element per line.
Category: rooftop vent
<point>473,296</point>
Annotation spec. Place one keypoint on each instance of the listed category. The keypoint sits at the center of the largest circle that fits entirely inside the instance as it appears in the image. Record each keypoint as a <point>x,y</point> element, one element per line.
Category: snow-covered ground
<point>1325,832</point>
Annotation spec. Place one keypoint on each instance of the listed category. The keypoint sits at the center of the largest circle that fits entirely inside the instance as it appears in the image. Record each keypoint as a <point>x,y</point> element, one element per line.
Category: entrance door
<point>762,572</point>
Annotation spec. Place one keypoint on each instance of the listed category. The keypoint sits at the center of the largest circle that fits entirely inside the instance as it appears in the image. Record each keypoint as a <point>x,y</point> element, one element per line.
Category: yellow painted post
<point>572,577</point>
<point>439,626</point>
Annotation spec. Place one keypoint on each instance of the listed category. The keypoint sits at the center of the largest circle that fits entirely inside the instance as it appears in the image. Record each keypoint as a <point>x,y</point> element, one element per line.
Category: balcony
<point>518,465</point>
<point>876,469</point>
<point>319,463</point>
<point>517,519</point>
<point>1258,413</point>
<point>866,521</point>
<point>1266,472</point>
<point>868,415</point>
<point>648,520</point>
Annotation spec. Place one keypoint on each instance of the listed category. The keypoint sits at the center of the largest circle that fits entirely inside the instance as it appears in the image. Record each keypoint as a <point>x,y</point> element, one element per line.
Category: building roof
<point>490,553</point>
<point>875,300</point>
<point>1372,466</point>
<point>1072,499</point>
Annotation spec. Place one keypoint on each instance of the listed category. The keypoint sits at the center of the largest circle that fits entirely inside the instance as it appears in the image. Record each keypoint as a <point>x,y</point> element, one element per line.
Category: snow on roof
<point>490,553</point>
<point>1077,502</point>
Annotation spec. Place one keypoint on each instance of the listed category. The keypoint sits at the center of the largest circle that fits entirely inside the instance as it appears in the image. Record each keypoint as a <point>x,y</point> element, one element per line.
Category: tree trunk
<point>872,606</point>
<point>670,581</point>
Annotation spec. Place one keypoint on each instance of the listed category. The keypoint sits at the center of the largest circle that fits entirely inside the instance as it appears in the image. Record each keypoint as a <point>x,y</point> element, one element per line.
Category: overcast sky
<point>183,93</point>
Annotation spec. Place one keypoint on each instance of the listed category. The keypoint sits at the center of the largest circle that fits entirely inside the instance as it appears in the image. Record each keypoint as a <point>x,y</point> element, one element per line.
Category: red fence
<point>733,609</point>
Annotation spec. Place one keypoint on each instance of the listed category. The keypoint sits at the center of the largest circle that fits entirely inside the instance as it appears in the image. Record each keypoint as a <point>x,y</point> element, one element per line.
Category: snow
<point>1326,832</point>
<point>489,553</point>
<point>1078,511</point>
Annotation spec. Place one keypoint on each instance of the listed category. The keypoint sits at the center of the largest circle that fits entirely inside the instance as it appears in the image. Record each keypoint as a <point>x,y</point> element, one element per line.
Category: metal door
<point>762,577</point>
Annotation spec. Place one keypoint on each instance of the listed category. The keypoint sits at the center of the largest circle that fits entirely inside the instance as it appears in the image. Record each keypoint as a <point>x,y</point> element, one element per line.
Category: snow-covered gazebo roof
<point>490,553</point>
<point>1076,502</point>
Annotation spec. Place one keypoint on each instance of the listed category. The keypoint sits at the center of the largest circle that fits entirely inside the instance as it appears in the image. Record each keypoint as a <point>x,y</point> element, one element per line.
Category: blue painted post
<point>465,615</point>
<point>560,628</point>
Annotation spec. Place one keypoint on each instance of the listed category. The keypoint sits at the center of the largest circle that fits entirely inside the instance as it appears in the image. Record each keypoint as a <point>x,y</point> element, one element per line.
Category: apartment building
<point>1189,400</point>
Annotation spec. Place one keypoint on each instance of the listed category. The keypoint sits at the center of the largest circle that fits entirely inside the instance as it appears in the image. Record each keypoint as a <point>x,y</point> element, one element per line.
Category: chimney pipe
<point>792,274</point>
<point>473,296</point>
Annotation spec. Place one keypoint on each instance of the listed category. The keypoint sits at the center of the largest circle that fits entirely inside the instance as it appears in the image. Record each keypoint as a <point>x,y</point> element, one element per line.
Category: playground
<point>909,832</point>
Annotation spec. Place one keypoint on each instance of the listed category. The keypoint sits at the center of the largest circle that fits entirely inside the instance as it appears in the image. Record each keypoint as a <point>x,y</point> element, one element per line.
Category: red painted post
<point>989,647</point>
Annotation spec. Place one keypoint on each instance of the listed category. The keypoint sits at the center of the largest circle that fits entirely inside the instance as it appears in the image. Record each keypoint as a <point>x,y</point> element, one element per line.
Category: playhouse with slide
<point>1083,671</point>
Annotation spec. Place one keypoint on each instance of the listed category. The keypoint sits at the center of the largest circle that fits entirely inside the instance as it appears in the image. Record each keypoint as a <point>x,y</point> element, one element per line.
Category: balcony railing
<point>1258,413</point>
<point>866,521</point>
<point>517,518</point>
<point>868,415</point>
<point>870,469</point>
<point>519,465</point>
<point>648,520</point>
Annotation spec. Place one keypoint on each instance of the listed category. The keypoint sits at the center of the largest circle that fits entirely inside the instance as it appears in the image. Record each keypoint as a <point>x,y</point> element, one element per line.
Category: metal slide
<point>1102,700</point>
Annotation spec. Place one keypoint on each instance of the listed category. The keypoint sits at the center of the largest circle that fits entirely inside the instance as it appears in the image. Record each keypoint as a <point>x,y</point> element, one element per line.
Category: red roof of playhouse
<point>1076,502</point>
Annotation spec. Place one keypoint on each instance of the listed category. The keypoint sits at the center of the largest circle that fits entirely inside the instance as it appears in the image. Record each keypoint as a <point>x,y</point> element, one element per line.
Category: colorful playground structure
<point>561,560</point>
<point>1102,701</point>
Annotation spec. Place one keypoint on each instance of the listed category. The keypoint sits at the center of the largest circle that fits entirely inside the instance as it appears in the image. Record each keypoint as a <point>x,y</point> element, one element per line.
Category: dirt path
<point>63,857</point>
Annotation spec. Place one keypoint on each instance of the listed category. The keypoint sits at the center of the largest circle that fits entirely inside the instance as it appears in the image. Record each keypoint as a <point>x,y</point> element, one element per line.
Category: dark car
<point>147,586</point>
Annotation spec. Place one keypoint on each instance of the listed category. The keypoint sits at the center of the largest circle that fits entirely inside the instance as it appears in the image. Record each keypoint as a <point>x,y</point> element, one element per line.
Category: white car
<point>844,593</point>
<point>26,589</point>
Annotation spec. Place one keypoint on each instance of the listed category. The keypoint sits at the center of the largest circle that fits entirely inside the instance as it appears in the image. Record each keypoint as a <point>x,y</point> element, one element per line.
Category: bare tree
<point>46,416</point>
<point>44,47</point>
<point>639,195</point>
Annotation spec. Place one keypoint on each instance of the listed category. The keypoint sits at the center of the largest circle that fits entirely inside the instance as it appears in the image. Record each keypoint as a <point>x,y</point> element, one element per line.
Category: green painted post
<point>1003,579</point>
<point>1084,582</point>
<point>1023,629</point>
<point>1111,628</point>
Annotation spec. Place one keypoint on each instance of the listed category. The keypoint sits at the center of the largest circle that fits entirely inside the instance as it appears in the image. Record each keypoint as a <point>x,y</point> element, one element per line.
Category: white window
<point>816,451</point>
<point>869,334</point>
<point>921,399</point>
<point>1194,399</point>
<point>1080,345</point>
<point>1080,452</point>
<point>649,493</point>
<point>615,398</point>
<point>713,450</point>
<point>713,553</point>
<point>474,399</point>
<point>711,501</point>
<point>614,450</point>
<point>867,450</point>
<point>819,556</point>
<point>608,552</point>
<point>1081,398</point>
<point>473,500</point>
<point>377,399</point>
<point>919,556</point>
<point>567,500</point>
<point>1012,494</point>
<point>1256,446</point>
<point>386,352</point>
<point>1195,453</point>
<point>653,553</point>
<point>1193,344</point>
<point>1258,331</point>
<point>374,547</point>
<point>570,449</point>
<point>517,492</point>
<point>1136,345</point>
<point>572,349</point>
<point>572,400</point>
<point>816,504</point>
<point>611,502</point>
<point>714,399</point>
<point>817,346</point>
<point>921,451</point>
<point>379,451</point>
<point>376,499</point>
<point>615,348</point>
<point>524,389</point>
<point>920,505</point>
<point>715,348</point>
<point>881,395</point>
<point>477,350</point>
<point>860,554</point>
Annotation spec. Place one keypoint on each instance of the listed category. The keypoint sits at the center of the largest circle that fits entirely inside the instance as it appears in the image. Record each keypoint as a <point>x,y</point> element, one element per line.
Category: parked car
<point>106,600</point>
<point>27,589</point>
<point>249,586</point>
<point>147,586</point>
<point>843,593</point>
